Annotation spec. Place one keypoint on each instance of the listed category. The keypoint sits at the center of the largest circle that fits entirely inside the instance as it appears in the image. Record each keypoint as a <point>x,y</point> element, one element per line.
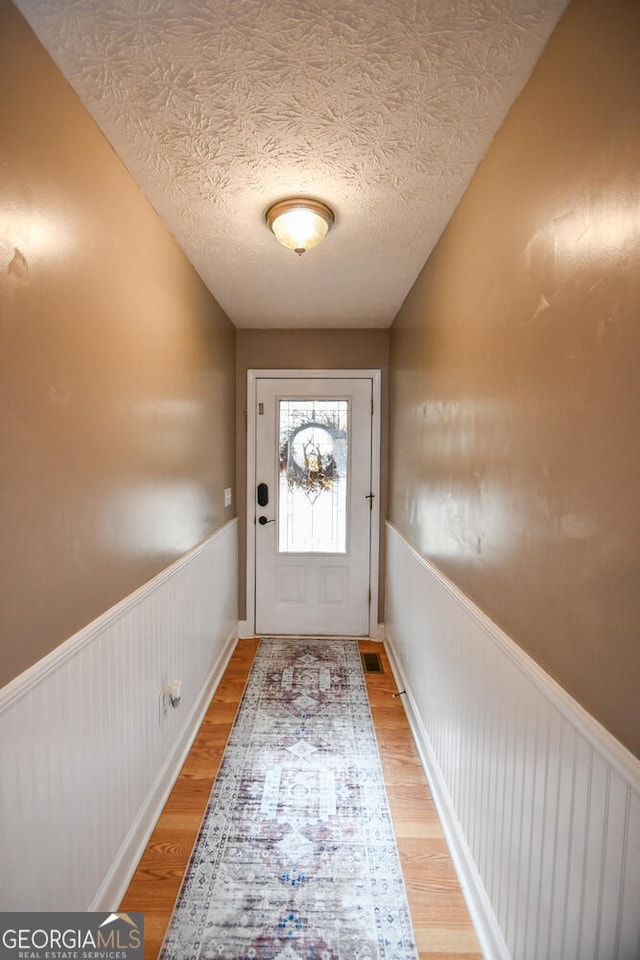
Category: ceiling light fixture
<point>299,223</point>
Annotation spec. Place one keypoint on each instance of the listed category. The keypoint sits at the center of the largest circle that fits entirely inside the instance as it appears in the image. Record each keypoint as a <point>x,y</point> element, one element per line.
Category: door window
<point>313,454</point>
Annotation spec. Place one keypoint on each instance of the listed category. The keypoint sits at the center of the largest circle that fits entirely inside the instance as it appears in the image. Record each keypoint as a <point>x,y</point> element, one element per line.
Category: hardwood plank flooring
<point>442,926</point>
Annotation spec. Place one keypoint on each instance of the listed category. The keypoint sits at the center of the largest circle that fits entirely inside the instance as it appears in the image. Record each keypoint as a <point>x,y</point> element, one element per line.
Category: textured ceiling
<point>382,108</point>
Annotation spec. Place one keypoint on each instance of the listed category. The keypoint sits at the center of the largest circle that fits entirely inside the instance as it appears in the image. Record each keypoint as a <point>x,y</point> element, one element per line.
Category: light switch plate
<point>228,498</point>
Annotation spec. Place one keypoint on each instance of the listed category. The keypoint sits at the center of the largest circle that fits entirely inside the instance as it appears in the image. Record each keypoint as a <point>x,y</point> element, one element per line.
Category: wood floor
<point>441,923</point>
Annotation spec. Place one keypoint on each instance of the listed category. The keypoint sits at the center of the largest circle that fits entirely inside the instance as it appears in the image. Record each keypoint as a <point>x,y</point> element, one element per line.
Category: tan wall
<point>304,350</point>
<point>116,371</point>
<point>515,374</point>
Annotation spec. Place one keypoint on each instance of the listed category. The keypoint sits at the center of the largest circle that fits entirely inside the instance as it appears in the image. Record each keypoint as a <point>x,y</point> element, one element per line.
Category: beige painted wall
<point>116,371</point>
<point>515,373</point>
<point>304,350</point>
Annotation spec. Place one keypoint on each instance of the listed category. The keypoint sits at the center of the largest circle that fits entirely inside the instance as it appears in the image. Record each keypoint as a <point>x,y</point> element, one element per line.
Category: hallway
<point>442,926</point>
<point>504,581</point>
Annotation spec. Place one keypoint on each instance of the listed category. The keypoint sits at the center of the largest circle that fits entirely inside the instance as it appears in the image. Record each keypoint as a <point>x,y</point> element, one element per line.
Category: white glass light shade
<point>300,224</point>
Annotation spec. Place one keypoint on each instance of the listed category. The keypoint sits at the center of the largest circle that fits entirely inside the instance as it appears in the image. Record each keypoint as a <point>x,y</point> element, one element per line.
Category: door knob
<point>263,520</point>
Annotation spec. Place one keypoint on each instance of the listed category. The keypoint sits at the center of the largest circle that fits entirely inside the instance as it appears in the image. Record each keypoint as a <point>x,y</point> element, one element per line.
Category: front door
<point>313,506</point>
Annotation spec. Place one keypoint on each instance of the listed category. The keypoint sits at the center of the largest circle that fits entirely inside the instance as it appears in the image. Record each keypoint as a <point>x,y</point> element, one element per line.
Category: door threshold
<point>312,636</point>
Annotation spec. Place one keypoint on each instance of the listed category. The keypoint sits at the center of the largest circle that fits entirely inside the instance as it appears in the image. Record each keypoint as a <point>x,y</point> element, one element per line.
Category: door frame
<point>375,375</point>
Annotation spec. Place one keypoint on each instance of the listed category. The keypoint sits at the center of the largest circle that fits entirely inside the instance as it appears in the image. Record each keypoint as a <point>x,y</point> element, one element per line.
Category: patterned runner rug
<point>296,857</point>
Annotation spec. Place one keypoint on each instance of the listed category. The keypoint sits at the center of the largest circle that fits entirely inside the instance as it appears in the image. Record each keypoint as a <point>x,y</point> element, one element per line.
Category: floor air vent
<point>371,663</point>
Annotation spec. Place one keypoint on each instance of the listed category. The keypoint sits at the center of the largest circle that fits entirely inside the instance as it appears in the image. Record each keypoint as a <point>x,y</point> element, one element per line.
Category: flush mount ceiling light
<point>299,223</point>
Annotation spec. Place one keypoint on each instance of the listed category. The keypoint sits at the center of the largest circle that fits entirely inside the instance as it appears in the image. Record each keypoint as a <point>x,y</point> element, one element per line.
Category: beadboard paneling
<point>540,804</point>
<point>87,754</point>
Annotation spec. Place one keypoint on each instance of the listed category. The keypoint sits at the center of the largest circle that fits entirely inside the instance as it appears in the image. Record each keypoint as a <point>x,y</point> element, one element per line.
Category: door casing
<point>374,560</point>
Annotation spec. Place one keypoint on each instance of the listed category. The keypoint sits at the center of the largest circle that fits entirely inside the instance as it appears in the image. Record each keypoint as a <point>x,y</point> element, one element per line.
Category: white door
<point>313,506</point>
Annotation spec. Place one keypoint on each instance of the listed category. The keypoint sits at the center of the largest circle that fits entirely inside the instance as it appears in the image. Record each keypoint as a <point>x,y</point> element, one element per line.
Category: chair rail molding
<point>90,744</point>
<point>539,803</point>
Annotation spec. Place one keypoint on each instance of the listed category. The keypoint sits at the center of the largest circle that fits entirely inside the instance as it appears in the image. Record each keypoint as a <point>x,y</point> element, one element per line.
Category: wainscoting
<point>541,806</point>
<point>88,755</point>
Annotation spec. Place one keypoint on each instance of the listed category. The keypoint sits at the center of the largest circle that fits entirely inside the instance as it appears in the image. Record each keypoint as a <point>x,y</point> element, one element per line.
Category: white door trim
<point>374,558</point>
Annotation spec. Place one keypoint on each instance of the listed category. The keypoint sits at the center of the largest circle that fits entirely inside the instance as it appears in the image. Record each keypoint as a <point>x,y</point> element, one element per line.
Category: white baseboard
<point>482,915</point>
<point>539,803</point>
<point>113,889</point>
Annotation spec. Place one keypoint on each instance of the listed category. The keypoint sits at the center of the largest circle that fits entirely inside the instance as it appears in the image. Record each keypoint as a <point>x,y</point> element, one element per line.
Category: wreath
<point>308,465</point>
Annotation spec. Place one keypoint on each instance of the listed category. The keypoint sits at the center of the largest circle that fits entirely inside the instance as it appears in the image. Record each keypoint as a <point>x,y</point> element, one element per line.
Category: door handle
<point>263,520</point>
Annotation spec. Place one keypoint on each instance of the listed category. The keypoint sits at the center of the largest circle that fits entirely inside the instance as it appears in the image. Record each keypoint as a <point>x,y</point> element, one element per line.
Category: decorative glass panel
<point>312,438</point>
